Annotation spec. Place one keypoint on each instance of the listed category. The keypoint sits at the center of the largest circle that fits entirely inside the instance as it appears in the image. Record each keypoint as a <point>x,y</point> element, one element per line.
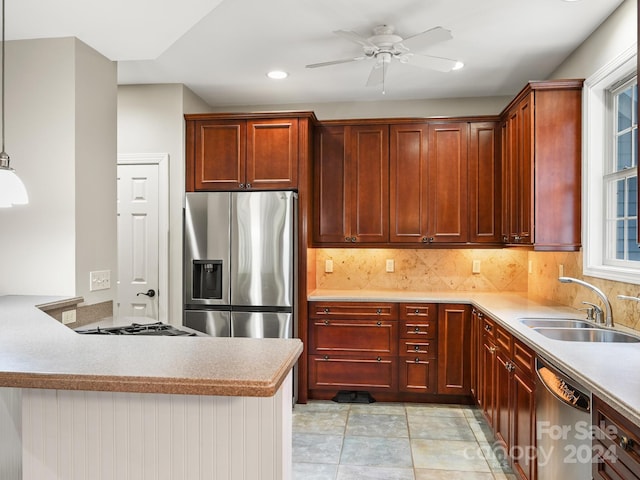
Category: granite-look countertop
<point>36,351</point>
<point>610,370</point>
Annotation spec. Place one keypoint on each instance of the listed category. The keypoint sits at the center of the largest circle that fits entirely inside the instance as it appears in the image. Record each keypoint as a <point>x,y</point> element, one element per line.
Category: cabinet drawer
<point>417,328</point>
<point>340,336</point>
<point>503,339</point>
<point>616,443</point>
<point>352,373</point>
<point>416,311</point>
<point>488,326</point>
<point>354,310</point>
<point>418,347</point>
<point>418,374</point>
<point>523,357</point>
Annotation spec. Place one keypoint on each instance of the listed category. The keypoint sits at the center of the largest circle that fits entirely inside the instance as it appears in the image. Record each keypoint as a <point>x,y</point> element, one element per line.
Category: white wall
<point>614,36</point>
<point>57,118</point>
<point>150,120</point>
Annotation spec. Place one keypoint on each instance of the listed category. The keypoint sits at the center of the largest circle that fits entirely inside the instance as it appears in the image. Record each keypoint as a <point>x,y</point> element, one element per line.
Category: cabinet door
<point>219,154</point>
<point>331,180</point>
<point>487,379</point>
<point>272,154</point>
<point>408,183</point>
<point>369,189</point>
<point>484,182</point>
<point>448,173</point>
<point>525,169</point>
<point>418,374</point>
<point>453,349</point>
<point>502,417</point>
<point>523,419</point>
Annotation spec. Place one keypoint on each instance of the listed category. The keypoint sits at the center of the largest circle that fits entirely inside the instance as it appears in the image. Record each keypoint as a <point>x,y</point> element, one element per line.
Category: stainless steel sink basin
<point>587,335</point>
<point>556,322</point>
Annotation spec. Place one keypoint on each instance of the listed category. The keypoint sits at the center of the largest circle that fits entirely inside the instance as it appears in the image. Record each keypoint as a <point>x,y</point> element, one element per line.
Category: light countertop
<point>36,351</point>
<point>610,370</point>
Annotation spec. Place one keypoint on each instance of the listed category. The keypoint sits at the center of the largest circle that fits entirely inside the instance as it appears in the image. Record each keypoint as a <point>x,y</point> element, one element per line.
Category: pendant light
<point>12,191</point>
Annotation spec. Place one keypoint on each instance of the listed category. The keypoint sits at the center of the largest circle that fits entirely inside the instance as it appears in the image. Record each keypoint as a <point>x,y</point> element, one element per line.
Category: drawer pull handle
<point>326,310</point>
<point>416,311</point>
<point>378,323</point>
<point>625,442</point>
<point>379,311</point>
<point>417,360</point>
<point>417,329</point>
<point>326,322</point>
<point>379,359</point>
<point>326,357</point>
<point>417,348</point>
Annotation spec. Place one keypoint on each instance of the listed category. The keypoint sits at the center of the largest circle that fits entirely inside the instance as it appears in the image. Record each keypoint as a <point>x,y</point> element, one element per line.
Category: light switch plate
<point>68,316</point>
<point>99,280</point>
<point>475,266</point>
<point>328,266</point>
<point>390,265</point>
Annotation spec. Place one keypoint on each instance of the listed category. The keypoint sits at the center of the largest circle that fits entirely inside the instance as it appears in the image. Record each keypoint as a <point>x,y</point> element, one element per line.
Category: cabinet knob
<point>487,327</point>
<point>625,442</point>
<point>353,239</point>
<point>505,239</point>
<point>248,185</point>
<point>417,360</point>
<point>379,323</point>
<point>326,357</point>
<point>326,310</point>
<point>480,314</point>
<point>379,311</point>
<point>379,359</point>
<point>241,185</point>
<point>492,350</point>
<point>417,329</point>
<point>326,322</point>
<point>416,348</point>
<point>416,311</point>
<point>425,239</point>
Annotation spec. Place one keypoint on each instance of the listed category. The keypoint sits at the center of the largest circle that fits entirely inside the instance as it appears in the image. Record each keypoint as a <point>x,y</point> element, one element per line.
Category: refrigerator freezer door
<point>207,243</point>
<point>262,324</point>
<point>262,252</point>
<point>212,322</point>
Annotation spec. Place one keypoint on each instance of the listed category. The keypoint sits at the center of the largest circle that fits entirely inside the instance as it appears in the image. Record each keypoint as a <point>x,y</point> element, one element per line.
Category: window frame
<point>596,145</point>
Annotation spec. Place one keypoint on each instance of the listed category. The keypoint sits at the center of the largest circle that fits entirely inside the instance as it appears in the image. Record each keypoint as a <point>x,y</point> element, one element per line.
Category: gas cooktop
<point>154,329</point>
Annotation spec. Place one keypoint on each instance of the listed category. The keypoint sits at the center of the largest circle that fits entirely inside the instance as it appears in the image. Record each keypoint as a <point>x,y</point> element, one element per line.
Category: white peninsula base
<point>79,435</point>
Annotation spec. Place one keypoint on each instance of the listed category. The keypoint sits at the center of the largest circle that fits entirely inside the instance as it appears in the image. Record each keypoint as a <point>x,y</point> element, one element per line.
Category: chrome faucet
<point>608,319</point>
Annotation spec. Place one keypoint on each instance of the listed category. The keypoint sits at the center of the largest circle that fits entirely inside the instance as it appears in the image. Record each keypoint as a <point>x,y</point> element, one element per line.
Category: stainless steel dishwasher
<point>563,422</point>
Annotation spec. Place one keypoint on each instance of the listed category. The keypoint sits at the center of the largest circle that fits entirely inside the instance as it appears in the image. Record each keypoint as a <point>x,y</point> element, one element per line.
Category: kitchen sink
<point>600,335</point>
<point>556,322</point>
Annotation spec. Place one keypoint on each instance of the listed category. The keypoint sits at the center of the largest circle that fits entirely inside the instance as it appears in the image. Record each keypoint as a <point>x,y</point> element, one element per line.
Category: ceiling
<point>222,49</point>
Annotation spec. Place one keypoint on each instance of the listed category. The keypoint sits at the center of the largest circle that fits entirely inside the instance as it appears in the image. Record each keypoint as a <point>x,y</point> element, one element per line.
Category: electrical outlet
<point>390,265</point>
<point>328,266</point>
<point>475,268</point>
<point>99,280</point>
<point>68,316</point>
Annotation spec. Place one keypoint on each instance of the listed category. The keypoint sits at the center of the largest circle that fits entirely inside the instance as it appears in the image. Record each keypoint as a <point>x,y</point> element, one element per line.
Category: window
<point>610,171</point>
<point>621,178</point>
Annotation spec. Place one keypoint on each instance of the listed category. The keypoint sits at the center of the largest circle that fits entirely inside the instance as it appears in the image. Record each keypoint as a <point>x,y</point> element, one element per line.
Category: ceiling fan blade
<point>354,37</point>
<point>378,74</point>
<point>440,64</point>
<point>335,62</point>
<point>426,38</point>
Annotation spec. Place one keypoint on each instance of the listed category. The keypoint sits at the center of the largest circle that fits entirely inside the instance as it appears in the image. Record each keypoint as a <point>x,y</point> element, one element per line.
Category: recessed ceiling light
<point>277,74</point>
<point>458,66</point>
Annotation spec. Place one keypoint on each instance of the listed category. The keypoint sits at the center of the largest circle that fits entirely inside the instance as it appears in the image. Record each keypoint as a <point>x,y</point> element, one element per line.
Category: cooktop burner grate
<point>153,329</point>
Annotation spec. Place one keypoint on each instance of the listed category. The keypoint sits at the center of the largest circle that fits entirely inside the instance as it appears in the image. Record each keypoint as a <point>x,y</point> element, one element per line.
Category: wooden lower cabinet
<point>616,444</point>
<point>405,350</point>
<point>505,389</point>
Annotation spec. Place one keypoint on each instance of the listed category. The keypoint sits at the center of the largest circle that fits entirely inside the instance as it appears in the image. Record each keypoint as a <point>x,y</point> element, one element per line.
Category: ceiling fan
<point>385,45</point>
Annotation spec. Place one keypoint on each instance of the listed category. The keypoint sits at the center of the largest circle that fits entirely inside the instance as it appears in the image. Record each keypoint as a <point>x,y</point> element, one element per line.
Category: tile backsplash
<point>501,270</point>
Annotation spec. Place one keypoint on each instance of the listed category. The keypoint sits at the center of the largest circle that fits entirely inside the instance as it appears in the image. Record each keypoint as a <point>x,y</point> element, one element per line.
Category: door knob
<point>149,293</point>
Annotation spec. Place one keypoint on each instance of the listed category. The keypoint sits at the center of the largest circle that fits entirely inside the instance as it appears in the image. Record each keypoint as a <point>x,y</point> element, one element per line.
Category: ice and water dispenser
<point>207,279</point>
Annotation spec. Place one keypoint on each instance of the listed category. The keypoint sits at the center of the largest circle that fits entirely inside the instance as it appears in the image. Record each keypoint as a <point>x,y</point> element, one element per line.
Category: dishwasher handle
<point>562,387</point>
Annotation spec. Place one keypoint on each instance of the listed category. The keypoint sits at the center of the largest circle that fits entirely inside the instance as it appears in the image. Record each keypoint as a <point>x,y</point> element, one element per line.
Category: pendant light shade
<point>12,191</point>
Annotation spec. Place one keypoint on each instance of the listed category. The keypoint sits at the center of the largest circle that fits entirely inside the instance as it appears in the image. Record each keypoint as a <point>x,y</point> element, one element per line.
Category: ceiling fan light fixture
<point>277,74</point>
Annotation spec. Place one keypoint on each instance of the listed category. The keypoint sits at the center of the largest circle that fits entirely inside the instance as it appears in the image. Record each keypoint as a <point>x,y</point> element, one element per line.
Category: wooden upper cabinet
<point>351,184</point>
<point>484,183</point>
<point>448,173</point>
<point>241,154</point>
<point>408,157</point>
<point>542,166</point>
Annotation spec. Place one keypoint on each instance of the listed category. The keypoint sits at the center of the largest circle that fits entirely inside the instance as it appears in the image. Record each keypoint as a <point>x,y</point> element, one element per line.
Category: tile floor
<point>393,441</point>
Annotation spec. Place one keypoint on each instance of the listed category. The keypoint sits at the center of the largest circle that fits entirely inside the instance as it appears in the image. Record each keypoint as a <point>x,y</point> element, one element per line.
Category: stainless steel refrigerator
<point>239,263</point>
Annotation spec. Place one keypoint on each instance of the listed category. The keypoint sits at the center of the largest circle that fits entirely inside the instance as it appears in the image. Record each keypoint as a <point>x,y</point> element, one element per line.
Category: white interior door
<point>138,241</point>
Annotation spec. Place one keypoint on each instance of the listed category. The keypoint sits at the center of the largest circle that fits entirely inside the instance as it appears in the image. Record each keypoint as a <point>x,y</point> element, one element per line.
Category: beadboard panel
<point>10,434</point>
<point>77,435</point>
